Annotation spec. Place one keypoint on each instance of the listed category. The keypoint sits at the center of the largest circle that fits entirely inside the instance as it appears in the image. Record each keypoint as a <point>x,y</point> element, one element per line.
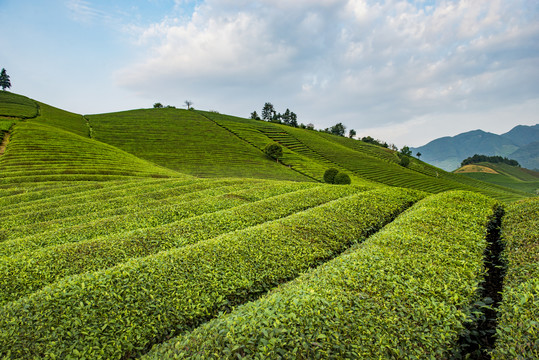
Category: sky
<point>402,71</point>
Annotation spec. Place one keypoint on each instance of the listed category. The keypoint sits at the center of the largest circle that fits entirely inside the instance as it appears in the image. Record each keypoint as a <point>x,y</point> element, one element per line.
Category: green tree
<point>404,159</point>
<point>406,151</point>
<point>293,119</point>
<point>418,154</point>
<point>157,105</point>
<point>4,80</point>
<point>329,175</point>
<point>286,117</point>
<point>351,133</point>
<point>338,129</point>
<point>274,151</point>
<point>268,111</point>
<point>255,116</point>
<point>342,179</point>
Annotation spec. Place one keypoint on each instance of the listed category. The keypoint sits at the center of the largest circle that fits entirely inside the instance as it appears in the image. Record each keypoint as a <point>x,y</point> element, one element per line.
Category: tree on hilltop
<point>268,111</point>
<point>4,80</point>
<point>157,105</point>
<point>352,133</point>
<point>188,103</point>
<point>338,129</point>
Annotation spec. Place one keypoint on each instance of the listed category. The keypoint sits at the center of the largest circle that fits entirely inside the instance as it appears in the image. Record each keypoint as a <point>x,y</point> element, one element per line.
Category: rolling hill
<point>168,233</point>
<point>514,177</point>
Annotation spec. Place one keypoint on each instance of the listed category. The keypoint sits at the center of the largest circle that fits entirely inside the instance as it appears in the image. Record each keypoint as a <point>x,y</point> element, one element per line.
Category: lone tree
<point>4,80</point>
<point>157,105</point>
<point>404,159</point>
<point>418,154</point>
<point>274,151</point>
<point>255,116</point>
<point>351,133</point>
<point>188,103</point>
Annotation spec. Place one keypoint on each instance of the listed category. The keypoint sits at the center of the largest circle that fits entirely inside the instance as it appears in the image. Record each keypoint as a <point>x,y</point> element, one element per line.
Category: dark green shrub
<point>274,150</point>
<point>342,179</point>
<point>404,160</point>
<point>329,175</point>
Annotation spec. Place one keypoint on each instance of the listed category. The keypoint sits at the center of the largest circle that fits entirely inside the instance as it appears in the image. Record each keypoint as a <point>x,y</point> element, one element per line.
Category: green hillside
<point>167,233</point>
<point>209,144</point>
<point>17,106</point>
<point>513,177</point>
<point>187,142</point>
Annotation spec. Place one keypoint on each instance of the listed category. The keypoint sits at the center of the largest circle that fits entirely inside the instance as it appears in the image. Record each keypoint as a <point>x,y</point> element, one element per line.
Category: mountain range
<point>520,143</point>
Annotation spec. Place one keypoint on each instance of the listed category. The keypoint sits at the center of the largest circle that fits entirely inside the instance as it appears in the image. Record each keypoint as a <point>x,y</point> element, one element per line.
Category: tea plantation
<point>167,233</point>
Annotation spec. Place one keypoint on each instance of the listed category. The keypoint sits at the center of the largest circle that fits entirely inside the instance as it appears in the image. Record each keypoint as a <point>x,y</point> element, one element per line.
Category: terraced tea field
<point>167,233</point>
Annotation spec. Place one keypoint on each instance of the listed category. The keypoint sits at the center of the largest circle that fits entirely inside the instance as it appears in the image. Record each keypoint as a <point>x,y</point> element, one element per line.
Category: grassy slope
<point>203,144</point>
<point>185,141</point>
<point>39,152</point>
<point>508,176</point>
<point>313,152</point>
<point>17,106</point>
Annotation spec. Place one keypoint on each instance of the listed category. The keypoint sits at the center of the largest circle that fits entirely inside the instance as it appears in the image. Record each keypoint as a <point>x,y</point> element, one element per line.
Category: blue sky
<point>402,71</point>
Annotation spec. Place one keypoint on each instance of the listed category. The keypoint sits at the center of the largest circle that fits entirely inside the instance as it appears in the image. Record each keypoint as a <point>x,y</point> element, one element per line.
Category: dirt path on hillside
<point>5,141</point>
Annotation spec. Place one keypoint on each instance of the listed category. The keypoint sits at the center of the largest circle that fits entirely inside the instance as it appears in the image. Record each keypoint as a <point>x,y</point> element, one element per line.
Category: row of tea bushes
<point>404,293</point>
<point>131,202</point>
<point>518,325</point>
<point>192,204</point>
<point>21,194</point>
<point>27,272</point>
<point>100,192</point>
<point>96,203</point>
<point>123,310</point>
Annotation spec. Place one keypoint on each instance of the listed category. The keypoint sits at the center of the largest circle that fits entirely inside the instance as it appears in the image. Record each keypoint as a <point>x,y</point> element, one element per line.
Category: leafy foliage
<point>27,272</point>
<point>518,328</point>
<point>342,179</point>
<point>273,150</point>
<point>5,82</point>
<point>329,175</point>
<point>491,159</point>
<point>403,293</point>
<point>122,310</point>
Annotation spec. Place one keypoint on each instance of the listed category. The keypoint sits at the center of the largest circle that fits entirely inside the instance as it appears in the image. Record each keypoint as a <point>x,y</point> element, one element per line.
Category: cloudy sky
<point>402,71</point>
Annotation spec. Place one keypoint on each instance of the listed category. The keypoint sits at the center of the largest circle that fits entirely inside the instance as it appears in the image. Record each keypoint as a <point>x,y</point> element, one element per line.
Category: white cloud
<point>357,61</point>
<point>84,11</point>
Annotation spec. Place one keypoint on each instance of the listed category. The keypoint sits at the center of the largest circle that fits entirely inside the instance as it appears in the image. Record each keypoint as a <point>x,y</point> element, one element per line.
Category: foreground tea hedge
<point>123,310</point>
<point>27,272</point>
<point>404,293</point>
<point>518,325</point>
<point>135,217</point>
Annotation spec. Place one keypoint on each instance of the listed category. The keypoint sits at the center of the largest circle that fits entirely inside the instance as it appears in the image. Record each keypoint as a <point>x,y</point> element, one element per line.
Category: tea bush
<point>518,325</point>
<point>121,311</point>
<point>404,293</point>
<point>27,272</point>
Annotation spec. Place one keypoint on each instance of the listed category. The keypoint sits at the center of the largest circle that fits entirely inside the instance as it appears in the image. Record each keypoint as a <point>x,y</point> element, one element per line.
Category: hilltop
<point>520,143</point>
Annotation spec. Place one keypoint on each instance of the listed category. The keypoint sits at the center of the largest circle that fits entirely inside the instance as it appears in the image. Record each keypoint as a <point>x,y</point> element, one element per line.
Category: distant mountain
<point>528,155</point>
<point>520,143</point>
<point>523,135</point>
